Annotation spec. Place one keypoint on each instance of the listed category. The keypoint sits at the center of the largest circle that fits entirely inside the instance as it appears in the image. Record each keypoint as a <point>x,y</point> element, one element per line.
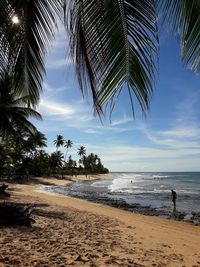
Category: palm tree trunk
<point>66,155</point>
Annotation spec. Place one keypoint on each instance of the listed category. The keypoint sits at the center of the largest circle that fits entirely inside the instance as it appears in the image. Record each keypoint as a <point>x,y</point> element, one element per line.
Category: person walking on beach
<point>174,197</point>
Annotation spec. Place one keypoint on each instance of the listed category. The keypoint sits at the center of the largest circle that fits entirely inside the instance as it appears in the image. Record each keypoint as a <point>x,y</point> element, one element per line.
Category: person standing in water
<point>174,197</point>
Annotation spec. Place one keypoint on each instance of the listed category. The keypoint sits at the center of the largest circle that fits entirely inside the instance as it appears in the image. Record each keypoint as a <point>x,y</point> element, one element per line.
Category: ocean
<point>140,192</point>
<point>155,188</point>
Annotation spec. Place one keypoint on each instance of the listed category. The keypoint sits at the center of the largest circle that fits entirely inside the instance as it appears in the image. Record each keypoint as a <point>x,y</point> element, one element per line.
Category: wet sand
<point>74,232</point>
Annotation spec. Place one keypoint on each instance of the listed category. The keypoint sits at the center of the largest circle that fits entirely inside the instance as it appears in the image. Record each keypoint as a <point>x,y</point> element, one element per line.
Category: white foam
<point>45,189</point>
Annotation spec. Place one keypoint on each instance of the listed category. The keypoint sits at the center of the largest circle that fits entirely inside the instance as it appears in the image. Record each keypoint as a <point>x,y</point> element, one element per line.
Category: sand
<point>74,232</point>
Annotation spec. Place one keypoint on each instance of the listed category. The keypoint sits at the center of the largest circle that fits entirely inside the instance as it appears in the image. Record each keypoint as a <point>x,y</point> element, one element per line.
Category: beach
<point>74,232</point>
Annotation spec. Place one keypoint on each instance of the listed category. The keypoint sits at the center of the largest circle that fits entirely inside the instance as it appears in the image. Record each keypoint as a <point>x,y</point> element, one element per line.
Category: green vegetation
<point>24,157</point>
<point>14,111</point>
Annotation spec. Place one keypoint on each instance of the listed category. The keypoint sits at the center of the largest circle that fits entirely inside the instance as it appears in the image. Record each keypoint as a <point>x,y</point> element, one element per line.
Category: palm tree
<point>37,140</point>
<point>68,144</point>
<point>14,112</point>
<point>56,161</point>
<point>59,141</point>
<point>113,43</point>
<point>81,151</point>
<point>40,162</point>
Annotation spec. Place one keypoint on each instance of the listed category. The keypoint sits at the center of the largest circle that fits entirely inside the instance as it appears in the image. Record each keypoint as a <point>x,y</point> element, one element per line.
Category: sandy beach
<point>74,232</point>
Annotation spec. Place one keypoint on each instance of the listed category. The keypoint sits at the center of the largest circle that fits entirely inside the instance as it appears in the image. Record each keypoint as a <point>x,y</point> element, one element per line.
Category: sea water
<point>146,189</point>
<point>155,188</point>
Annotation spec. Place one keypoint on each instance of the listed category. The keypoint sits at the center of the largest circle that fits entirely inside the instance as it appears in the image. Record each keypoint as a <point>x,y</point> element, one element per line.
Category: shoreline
<point>96,197</point>
<point>70,231</point>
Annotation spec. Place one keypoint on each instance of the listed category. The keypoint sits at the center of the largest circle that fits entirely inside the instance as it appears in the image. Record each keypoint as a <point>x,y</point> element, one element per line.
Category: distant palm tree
<point>14,112</point>
<point>59,141</point>
<point>81,151</point>
<point>113,43</point>
<point>68,144</point>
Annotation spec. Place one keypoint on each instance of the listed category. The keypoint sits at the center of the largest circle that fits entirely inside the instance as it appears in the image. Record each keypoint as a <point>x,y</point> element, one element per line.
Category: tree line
<point>23,155</point>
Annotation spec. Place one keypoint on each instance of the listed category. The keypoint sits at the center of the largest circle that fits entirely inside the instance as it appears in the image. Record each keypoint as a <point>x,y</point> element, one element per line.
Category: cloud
<point>186,132</point>
<point>114,152</point>
<point>57,57</point>
<point>187,110</point>
<point>174,148</point>
<point>168,165</point>
<point>122,121</point>
<point>73,114</point>
<point>92,131</point>
<point>136,158</point>
<point>173,138</point>
<point>51,108</point>
<point>53,90</point>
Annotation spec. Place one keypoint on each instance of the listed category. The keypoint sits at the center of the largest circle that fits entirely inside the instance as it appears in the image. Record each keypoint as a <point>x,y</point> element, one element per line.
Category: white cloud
<point>186,132</point>
<point>175,148</point>
<point>52,108</point>
<point>167,165</point>
<point>91,131</point>
<point>53,90</point>
<point>122,121</point>
<point>76,114</point>
<point>116,152</point>
<point>173,138</point>
<point>135,158</point>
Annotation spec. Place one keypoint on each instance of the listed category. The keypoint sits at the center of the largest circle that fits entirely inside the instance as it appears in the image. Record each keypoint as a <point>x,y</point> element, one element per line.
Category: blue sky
<point>167,140</point>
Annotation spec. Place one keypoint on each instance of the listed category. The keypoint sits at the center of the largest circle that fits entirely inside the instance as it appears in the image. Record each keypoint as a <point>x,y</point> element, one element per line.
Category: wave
<point>101,183</point>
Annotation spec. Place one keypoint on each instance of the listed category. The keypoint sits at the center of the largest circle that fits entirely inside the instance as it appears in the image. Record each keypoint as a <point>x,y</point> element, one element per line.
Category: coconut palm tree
<point>81,151</point>
<point>14,113</point>
<point>114,44</point>
<point>59,141</point>
<point>68,144</point>
<point>56,161</point>
<point>37,140</point>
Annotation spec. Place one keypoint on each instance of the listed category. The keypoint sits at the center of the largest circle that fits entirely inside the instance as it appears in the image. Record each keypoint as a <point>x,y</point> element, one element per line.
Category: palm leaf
<point>183,18</point>
<point>114,44</point>
<point>21,122</point>
<point>14,112</point>
<point>27,112</point>
<point>30,40</point>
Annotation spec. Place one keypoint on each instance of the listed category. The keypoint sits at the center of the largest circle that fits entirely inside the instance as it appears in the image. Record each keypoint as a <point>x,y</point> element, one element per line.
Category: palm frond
<point>29,41</point>
<point>183,18</point>
<point>6,127</point>
<point>21,122</point>
<point>14,113</point>
<point>115,45</point>
<point>27,112</point>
